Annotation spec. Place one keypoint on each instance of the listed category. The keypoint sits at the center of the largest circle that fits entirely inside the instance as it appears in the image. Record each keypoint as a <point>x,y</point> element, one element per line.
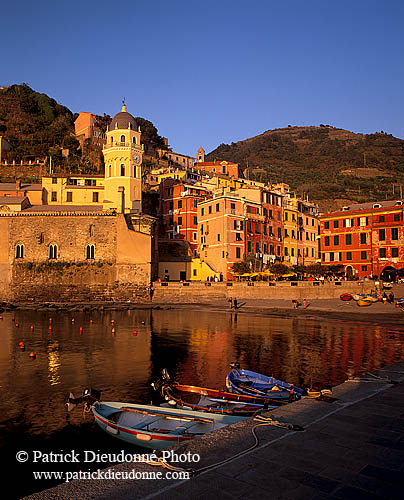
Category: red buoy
<point>91,321</point>
<point>32,328</point>
<point>1,317</point>
<point>50,328</point>
<point>81,330</point>
<point>113,330</point>
<point>32,355</point>
<point>21,345</point>
<point>50,320</point>
<point>134,333</point>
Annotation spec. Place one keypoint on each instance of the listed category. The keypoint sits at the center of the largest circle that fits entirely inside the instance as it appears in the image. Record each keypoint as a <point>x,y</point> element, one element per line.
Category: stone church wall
<point>72,277</point>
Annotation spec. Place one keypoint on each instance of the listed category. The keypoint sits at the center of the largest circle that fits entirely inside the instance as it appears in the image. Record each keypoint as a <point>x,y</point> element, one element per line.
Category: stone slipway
<point>351,448</point>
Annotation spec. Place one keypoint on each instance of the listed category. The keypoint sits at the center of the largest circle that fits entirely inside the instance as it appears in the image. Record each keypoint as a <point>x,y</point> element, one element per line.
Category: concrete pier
<point>352,447</point>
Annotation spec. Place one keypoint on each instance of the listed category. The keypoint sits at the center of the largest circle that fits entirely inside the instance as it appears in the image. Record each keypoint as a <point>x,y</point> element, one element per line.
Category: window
<point>286,252</point>
<point>363,255</point>
<point>286,216</point>
<point>232,206</point>
<point>394,233</point>
<point>292,250</point>
<point>122,170</point>
<point>249,246</point>
<point>381,218</point>
<point>90,251</point>
<point>54,196</point>
<point>279,233</point>
<point>69,196</point>
<point>54,180</point>
<point>382,253</point>
<point>238,253</point>
<point>327,224</point>
<point>336,240</point>
<point>217,207</point>
<point>195,220</point>
<point>363,238</point>
<point>179,203</point>
<point>394,252</point>
<point>53,252</point>
<point>331,256</point>
<point>348,239</point>
<point>195,203</point>
<point>257,247</point>
<point>382,234</point>
<point>90,182</point>
<point>218,237</point>
<point>180,221</point>
<point>363,221</point>
<point>91,230</point>
<point>95,196</point>
<point>349,256</point>
<point>19,251</point>
<point>134,140</point>
<point>397,217</point>
<point>238,237</point>
<point>210,209</point>
<point>364,268</point>
<point>336,223</point>
<point>194,236</point>
<point>123,138</point>
<point>326,241</point>
<point>110,170</point>
<point>193,272</point>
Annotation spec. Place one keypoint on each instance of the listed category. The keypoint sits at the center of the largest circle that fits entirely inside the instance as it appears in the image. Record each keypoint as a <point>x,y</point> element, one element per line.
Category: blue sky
<point>214,72</point>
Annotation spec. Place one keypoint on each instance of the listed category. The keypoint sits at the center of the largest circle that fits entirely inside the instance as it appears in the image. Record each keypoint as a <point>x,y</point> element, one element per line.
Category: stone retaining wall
<point>208,292</point>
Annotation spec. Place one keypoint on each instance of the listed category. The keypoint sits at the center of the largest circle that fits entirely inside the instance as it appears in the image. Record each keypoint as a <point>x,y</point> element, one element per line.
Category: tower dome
<point>123,120</point>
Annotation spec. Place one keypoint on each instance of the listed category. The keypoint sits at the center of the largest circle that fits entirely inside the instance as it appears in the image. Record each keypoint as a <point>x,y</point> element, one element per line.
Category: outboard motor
<point>89,397</point>
<point>235,364</point>
<point>164,380</point>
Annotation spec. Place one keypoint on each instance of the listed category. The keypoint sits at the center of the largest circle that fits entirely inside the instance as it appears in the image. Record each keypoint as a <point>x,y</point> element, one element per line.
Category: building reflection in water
<point>53,363</point>
<point>195,347</point>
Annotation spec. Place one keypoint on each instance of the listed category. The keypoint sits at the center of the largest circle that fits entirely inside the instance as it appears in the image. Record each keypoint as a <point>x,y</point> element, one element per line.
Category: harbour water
<point>122,352</point>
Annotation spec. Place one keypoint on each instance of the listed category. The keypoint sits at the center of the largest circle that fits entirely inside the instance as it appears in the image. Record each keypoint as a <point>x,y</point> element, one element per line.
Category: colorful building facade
<point>367,239</point>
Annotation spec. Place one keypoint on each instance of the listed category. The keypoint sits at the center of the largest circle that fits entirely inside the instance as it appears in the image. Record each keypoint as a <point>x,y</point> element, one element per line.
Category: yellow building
<point>123,155</point>
<point>62,189</point>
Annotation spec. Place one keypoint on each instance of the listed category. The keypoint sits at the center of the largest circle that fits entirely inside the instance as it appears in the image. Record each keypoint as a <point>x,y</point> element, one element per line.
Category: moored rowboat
<point>255,384</point>
<point>156,427</point>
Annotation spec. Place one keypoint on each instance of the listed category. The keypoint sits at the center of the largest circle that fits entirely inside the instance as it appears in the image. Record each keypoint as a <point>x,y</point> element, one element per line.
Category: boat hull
<point>252,383</point>
<point>147,430</point>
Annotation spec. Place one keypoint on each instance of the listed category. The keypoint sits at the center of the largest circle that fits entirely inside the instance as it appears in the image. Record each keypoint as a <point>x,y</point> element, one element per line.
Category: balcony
<point>256,217</point>
<point>123,145</point>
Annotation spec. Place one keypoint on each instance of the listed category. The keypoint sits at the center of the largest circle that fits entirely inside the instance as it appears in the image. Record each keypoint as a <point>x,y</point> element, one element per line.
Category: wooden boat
<point>212,400</point>
<point>156,427</point>
<point>345,296</point>
<point>253,384</point>
<point>358,296</point>
<point>364,302</point>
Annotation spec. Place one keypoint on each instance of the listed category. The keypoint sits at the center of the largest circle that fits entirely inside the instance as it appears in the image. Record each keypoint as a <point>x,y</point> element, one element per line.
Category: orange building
<point>85,128</point>
<point>239,224</point>
<point>179,212</point>
<point>217,167</point>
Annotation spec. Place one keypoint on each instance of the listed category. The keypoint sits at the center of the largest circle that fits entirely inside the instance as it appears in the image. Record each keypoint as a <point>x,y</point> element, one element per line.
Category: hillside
<point>333,166</point>
<point>37,127</point>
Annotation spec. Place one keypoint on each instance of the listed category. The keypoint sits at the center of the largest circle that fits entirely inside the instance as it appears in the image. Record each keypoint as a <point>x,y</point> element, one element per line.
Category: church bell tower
<point>123,155</point>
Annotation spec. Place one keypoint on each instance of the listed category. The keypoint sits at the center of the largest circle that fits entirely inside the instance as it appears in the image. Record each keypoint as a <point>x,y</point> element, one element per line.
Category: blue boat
<point>254,384</point>
<point>156,427</point>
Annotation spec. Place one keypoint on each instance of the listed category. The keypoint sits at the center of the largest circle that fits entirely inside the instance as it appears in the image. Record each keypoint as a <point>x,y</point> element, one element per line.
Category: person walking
<point>235,303</point>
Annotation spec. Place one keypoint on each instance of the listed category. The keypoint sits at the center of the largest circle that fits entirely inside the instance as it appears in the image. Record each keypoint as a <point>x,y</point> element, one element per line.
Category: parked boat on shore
<point>254,384</point>
<point>156,427</point>
<point>212,400</point>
